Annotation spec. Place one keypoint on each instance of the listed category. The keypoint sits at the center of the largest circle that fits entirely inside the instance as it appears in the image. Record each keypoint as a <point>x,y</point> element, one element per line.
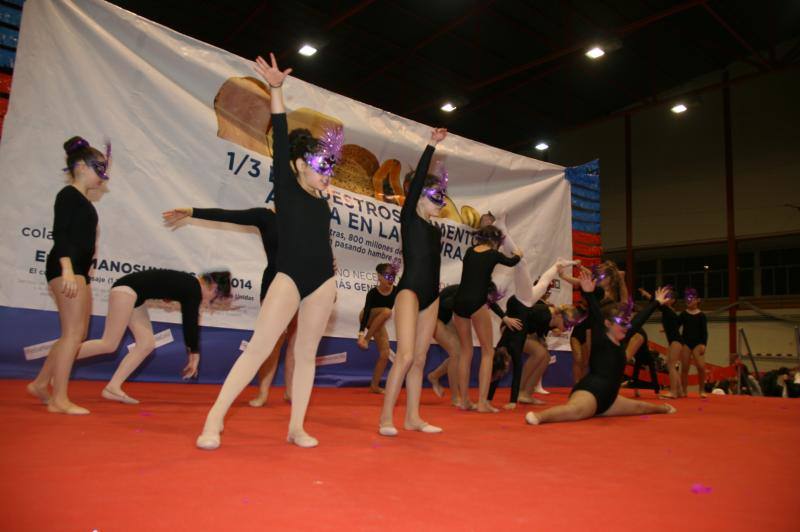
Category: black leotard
<point>476,274</point>
<point>695,329</point>
<point>422,242</point>
<point>373,300</point>
<point>259,217</point>
<point>642,357</point>
<point>447,299</point>
<point>175,286</point>
<point>579,331</point>
<point>304,248</point>
<point>74,233</point>
<point>538,320</point>
<point>607,360</point>
<point>672,325</point>
<point>514,342</point>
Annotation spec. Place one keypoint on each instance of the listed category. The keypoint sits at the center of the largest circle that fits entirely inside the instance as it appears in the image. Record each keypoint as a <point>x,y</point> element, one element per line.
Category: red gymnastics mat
<point>724,463</point>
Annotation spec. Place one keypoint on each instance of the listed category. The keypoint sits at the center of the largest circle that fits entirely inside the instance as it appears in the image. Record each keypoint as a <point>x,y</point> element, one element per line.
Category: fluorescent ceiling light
<point>595,52</point>
<point>307,50</point>
<point>448,107</point>
<point>679,108</point>
<point>542,146</point>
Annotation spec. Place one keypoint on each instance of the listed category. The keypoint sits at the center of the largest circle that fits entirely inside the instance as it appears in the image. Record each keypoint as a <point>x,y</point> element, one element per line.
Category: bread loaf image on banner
<point>243,117</point>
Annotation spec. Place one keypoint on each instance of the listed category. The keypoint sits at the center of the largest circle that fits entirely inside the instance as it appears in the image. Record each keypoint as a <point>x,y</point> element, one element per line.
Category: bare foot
<point>531,419</point>
<point>69,408</point>
<point>540,390</point>
<point>469,405</point>
<point>258,401</point>
<point>40,393</point>
<point>670,409</point>
<point>118,395</point>
<point>510,406</point>
<point>438,389</point>
<point>528,400</point>
<point>377,390</point>
<point>667,395</point>
<point>487,408</point>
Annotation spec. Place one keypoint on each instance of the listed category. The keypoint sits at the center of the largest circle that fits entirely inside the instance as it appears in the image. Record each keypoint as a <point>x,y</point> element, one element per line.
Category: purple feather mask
<point>437,192</point>
<point>328,153</point>
<point>690,294</point>
<point>100,167</point>
<point>494,295</point>
<point>623,319</point>
<point>599,273</point>
<point>390,274</point>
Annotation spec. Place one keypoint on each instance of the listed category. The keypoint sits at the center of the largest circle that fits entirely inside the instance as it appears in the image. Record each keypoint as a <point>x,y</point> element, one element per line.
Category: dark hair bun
<point>223,281</point>
<point>75,144</point>
<point>301,142</point>
<point>382,267</point>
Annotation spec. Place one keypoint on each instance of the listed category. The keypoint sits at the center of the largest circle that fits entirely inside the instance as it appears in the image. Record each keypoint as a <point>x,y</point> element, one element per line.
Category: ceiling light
<point>307,50</point>
<point>542,146</point>
<point>595,52</point>
<point>448,107</point>
<point>679,108</point>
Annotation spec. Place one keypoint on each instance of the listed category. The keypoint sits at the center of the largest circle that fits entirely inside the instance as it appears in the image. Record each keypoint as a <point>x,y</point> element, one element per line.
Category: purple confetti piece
<point>644,417</point>
<point>699,489</point>
<point>376,445</point>
<point>137,430</point>
<point>246,500</point>
<point>145,413</point>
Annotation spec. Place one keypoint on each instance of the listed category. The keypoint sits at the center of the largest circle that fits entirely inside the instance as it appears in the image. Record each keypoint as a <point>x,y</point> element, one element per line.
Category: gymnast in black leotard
<point>447,337</point>
<point>302,168</point>
<point>597,393</point>
<point>67,270</point>
<point>417,302</point>
<point>637,348</point>
<point>469,310</point>
<point>671,323</point>
<point>695,339</point>
<point>376,312</point>
<point>264,220</point>
<point>126,310</point>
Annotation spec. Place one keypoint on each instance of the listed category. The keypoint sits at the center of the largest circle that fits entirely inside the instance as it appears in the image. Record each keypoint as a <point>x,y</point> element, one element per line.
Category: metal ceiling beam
<point>620,32</point>
<point>424,42</point>
<point>741,40</point>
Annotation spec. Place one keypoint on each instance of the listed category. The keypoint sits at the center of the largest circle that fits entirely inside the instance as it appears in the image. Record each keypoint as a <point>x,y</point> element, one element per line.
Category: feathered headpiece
<point>328,153</point>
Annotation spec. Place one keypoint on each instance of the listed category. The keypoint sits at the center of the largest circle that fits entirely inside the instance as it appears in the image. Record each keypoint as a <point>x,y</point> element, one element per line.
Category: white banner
<point>190,127</point>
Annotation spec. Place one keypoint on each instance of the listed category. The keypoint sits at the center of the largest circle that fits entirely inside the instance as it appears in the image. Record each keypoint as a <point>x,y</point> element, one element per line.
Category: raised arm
<point>596,316</point>
<point>418,181</point>
<point>280,129</point>
<point>641,318</point>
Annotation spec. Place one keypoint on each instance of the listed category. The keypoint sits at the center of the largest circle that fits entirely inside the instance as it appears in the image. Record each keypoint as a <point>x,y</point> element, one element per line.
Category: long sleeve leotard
<point>607,359</point>
<point>422,242</point>
<point>695,329</point>
<point>373,300</point>
<point>259,217</point>
<point>476,275</point>
<point>304,249</point>
<point>74,233</point>
<point>175,286</point>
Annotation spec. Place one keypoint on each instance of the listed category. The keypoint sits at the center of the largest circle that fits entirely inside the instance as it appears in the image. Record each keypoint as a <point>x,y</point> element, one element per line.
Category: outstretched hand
<point>438,135</point>
<point>647,295</point>
<point>662,294</point>
<point>270,72</point>
<point>174,216</point>
<point>587,283</point>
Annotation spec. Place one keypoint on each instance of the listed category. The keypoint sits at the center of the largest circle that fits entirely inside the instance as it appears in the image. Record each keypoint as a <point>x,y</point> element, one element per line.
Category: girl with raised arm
<point>596,394</point>
<point>67,270</point>
<point>303,167</point>
<point>417,302</point>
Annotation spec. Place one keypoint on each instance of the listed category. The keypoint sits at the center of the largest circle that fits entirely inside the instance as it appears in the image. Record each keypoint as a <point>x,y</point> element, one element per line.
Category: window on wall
<point>780,272</point>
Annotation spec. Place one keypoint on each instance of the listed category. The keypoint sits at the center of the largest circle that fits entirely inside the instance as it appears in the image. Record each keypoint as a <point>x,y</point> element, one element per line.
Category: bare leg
<point>73,313</point>
<point>698,353</point>
<point>288,361</point>
<point>381,337</point>
<point>426,323</point>
<point>120,310</point>
<point>482,322</point>
<point>463,327</point>
<point>266,373</point>
<point>534,368</point>
<point>622,406</point>
<point>447,337</point>
<point>581,405</point>
<point>673,365</point>
<point>312,318</point>
<point>280,304</point>
<point>406,312</point>
<point>142,331</point>
<point>685,356</point>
